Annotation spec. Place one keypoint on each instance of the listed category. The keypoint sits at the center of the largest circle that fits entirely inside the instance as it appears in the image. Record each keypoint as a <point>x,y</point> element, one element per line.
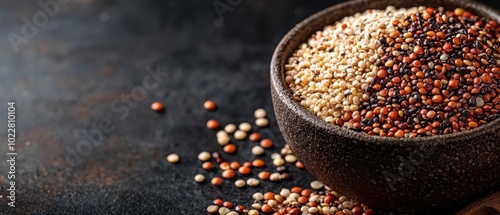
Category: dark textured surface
<point>67,76</point>
<point>414,174</point>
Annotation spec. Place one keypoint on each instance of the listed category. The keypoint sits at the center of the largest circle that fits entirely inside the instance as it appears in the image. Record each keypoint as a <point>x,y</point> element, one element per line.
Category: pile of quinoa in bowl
<point>407,72</point>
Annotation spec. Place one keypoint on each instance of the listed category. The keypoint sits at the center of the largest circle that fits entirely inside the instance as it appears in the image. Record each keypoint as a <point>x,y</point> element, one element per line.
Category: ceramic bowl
<point>410,174</point>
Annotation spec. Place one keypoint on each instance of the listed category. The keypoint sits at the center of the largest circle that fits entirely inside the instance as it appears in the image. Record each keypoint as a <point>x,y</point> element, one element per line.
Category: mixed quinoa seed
<point>318,199</point>
<point>401,72</point>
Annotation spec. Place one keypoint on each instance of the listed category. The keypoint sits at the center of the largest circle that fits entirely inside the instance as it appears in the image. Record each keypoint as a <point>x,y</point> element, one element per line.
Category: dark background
<point>91,57</point>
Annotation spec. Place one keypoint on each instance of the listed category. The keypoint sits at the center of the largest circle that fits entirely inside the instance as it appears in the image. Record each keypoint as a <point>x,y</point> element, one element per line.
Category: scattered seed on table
<point>266,208</point>
<point>252,182</point>
<point>285,151</point>
<point>233,213</point>
<point>173,158</point>
<point>257,150</point>
<point>260,113</point>
<point>235,165</point>
<point>224,211</point>
<point>239,183</point>
<point>248,164</point>
<point>228,174</point>
<point>240,135</point>
<point>290,158</point>
<point>254,137</point>
<point>244,170</point>
<point>222,133</point>
<point>266,143</point>
<point>223,140</point>
<point>253,212</point>
<point>299,165</point>
<point>275,177</point>
<point>230,128</point>
<point>316,185</point>
<point>210,105</point>
<point>240,208</point>
<point>229,148</point>
<point>279,161</point>
<point>258,163</point>
<point>224,165</point>
<point>199,178</point>
<point>281,169</point>
<point>245,126</point>
<point>217,181</point>
<point>264,175</point>
<point>213,209</point>
<point>262,122</point>
<point>285,176</point>
<point>204,156</point>
<point>207,165</point>
<point>218,202</point>
<point>258,196</point>
<point>212,124</point>
<point>227,204</point>
<point>275,155</point>
<point>157,107</point>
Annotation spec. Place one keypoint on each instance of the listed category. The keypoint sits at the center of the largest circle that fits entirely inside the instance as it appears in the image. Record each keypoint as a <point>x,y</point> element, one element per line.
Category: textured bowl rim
<point>283,92</point>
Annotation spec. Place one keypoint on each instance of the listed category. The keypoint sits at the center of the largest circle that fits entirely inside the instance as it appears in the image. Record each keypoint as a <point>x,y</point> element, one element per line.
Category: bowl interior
<point>301,32</point>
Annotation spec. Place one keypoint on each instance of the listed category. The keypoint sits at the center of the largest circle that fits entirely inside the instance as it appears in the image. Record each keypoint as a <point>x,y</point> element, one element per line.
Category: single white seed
<point>316,185</point>
<point>246,127</point>
<point>257,150</point>
<point>222,133</point>
<point>173,158</point>
<point>290,158</point>
<point>240,135</point>
<point>262,122</point>
<point>199,178</point>
<point>240,183</point>
<point>230,128</point>
<point>258,196</point>
<point>204,156</point>
<point>253,182</point>
<point>223,140</point>
<point>275,177</point>
<point>260,113</point>
<point>279,161</point>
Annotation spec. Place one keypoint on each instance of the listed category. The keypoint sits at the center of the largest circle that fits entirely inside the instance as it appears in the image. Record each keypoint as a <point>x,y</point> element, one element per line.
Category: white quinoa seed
<point>262,122</point>
<point>223,140</point>
<point>329,73</point>
<point>204,156</point>
<point>258,196</point>
<point>246,127</point>
<point>275,177</point>
<point>316,185</point>
<point>257,150</point>
<point>260,113</point>
<point>239,183</point>
<point>279,161</point>
<point>199,178</point>
<point>173,158</point>
<point>213,209</point>
<point>222,133</point>
<point>290,158</point>
<point>275,156</point>
<point>230,128</point>
<point>253,212</point>
<point>233,213</point>
<point>240,135</point>
<point>223,211</point>
<point>253,182</point>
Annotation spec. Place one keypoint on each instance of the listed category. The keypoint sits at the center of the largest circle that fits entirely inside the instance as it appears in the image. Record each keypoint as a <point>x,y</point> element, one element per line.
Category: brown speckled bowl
<point>416,174</point>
